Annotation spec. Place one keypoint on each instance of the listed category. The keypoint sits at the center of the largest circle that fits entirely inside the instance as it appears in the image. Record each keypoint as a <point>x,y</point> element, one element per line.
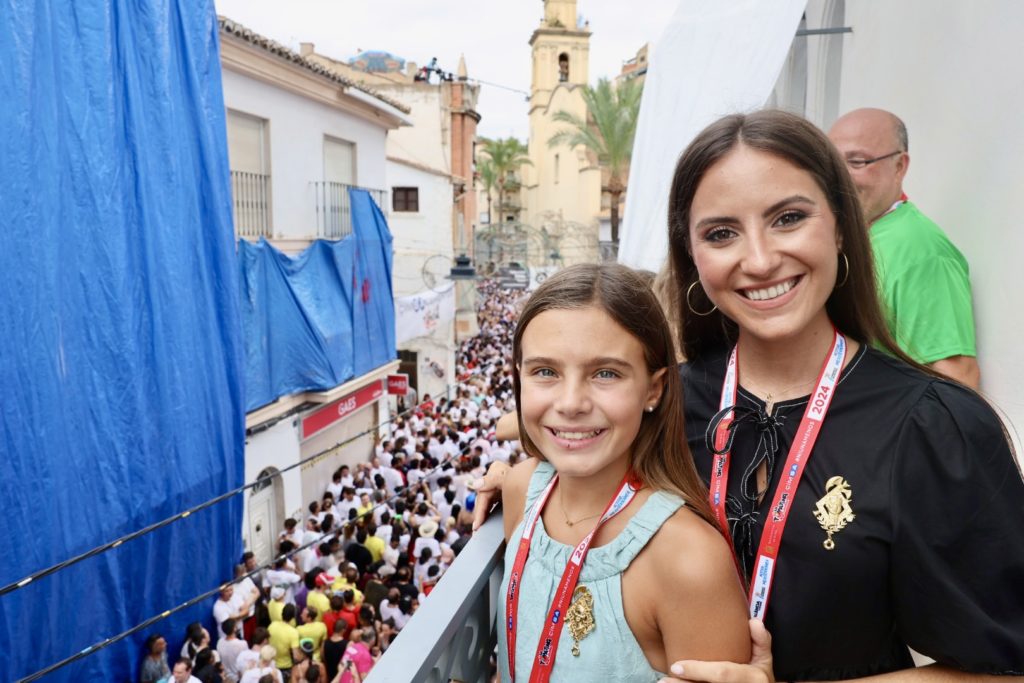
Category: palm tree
<point>608,132</point>
<point>506,155</point>
<point>489,179</point>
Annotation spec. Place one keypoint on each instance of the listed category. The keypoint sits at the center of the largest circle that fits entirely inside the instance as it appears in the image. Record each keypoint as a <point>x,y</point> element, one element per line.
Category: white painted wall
<point>297,126</point>
<point>954,72</point>
<point>276,447</point>
<point>428,140</point>
<point>419,237</point>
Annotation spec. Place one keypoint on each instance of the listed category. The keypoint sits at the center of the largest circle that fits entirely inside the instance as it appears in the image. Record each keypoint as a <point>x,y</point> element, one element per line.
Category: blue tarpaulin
<point>318,319</point>
<point>120,339</point>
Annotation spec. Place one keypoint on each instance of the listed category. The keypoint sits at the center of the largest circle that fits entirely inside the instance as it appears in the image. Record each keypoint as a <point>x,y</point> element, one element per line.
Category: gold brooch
<point>833,511</point>
<point>580,617</point>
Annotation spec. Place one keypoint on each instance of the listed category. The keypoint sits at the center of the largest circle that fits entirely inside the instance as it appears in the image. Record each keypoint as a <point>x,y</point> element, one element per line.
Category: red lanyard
<point>547,645</point>
<point>799,453</point>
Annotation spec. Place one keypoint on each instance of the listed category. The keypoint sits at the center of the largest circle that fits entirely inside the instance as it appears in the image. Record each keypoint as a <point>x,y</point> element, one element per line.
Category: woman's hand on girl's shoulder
<point>699,604</point>
<point>758,670</point>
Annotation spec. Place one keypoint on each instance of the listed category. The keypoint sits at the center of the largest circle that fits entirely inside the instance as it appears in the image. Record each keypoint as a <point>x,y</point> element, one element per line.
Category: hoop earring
<point>690,306</point>
<point>846,276</point>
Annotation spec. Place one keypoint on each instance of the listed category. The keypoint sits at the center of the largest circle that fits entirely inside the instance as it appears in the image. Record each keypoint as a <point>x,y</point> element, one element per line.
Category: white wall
<point>954,72</point>
<point>428,140</point>
<point>276,447</point>
<point>297,127</point>
<point>419,237</point>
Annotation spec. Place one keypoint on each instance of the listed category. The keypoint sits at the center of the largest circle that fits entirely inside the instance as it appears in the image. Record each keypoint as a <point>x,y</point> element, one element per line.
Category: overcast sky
<point>493,36</point>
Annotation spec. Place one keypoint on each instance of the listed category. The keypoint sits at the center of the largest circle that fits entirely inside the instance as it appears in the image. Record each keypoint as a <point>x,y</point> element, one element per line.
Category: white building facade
<point>299,136</point>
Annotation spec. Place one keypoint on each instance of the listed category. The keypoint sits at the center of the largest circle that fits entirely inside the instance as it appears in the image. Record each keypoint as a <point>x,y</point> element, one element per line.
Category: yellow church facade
<point>561,190</point>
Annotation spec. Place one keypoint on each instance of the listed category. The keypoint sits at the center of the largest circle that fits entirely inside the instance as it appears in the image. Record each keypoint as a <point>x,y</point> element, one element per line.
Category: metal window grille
<point>250,194</point>
<point>334,210</point>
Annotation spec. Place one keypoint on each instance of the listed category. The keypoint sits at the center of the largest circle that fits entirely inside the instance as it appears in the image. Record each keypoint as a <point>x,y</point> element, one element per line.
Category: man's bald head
<point>877,122</point>
<point>879,138</point>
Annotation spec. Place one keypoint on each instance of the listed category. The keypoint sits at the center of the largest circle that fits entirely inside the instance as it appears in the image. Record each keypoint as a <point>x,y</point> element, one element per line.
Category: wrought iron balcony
<point>334,211</point>
<point>250,194</point>
<point>453,634</point>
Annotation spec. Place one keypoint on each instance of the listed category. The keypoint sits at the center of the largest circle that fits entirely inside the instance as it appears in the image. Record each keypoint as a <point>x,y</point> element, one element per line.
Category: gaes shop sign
<point>340,409</point>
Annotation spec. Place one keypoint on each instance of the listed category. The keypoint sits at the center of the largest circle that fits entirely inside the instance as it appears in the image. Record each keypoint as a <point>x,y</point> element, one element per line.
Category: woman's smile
<point>765,244</point>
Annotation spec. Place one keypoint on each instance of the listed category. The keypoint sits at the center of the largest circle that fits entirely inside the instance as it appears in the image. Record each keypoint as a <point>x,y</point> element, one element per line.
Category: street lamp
<point>463,269</point>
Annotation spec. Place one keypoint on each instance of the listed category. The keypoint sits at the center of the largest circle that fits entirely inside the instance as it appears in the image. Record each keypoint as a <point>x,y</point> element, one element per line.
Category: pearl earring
<point>649,409</point>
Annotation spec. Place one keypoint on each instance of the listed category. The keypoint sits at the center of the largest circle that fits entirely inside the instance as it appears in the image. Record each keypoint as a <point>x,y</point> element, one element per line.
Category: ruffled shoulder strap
<point>540,479</point>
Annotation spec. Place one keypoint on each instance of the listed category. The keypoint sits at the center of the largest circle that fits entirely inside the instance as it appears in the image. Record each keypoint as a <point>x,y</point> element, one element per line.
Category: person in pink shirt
<point>358,660</point>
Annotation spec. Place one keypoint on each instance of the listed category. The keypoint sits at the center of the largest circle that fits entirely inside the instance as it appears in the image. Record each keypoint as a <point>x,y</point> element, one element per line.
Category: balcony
<point>333,210</point>
<point>250,194</point>
<point>453,634</point>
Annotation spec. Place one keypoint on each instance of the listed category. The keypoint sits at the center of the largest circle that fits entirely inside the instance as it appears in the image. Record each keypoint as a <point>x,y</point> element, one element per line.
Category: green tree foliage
<point>488,176</point>
<point>505,156</point>
<point>608,132</point>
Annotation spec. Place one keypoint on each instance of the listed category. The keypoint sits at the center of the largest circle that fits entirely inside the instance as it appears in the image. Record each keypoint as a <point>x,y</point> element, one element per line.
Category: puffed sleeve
<point>957,576</point>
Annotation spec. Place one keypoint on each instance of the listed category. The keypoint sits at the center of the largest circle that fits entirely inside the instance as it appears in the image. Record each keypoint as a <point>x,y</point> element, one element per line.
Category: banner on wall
<point>420,314</point>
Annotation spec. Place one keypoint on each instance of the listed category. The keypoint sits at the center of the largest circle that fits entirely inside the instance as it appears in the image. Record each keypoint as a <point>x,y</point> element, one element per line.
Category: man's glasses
<point>861,163</point>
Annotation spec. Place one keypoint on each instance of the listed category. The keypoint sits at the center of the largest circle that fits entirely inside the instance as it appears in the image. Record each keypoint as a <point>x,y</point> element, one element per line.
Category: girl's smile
<point>585,387</point>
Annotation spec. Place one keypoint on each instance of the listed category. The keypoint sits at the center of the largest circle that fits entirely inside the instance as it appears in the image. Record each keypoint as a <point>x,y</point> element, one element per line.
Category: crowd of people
<point>781,241</point>
<point>352,572</point>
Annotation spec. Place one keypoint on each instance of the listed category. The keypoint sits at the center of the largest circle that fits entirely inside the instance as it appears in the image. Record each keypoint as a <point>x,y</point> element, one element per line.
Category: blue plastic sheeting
<point>316,320</point>
<point>120,346</point>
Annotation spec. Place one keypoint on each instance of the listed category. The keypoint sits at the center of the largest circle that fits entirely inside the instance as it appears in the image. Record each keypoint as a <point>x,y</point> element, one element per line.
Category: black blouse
<point>933,558</point>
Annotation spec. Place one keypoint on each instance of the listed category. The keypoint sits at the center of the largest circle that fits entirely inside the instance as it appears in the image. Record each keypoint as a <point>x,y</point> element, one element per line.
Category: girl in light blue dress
<point>613,568</point>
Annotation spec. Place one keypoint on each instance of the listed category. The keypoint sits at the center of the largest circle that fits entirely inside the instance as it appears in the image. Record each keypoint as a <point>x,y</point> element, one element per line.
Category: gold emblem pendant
<point>833,511</point>
<point>580,617</point>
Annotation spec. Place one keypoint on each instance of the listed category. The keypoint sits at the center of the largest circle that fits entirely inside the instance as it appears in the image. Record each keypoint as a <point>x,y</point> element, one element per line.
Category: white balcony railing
<point>453,634</point>
<point>334,211</point>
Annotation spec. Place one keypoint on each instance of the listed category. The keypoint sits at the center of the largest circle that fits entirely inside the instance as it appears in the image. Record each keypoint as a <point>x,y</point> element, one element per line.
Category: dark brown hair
<point>660,457</point>
<point>854,307</point>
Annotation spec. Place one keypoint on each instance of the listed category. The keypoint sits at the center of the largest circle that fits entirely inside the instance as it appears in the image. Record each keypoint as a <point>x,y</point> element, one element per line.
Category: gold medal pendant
<point>580,617</point>
<point>833,510</point>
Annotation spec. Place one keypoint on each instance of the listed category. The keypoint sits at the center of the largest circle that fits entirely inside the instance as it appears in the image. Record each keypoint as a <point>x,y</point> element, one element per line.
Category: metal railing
<point>453,634</point>
<point>334,211</point>
<point>250,194</point>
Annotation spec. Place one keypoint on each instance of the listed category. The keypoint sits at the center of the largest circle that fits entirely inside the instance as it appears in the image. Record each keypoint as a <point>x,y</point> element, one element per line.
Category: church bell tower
<point>562,185</point>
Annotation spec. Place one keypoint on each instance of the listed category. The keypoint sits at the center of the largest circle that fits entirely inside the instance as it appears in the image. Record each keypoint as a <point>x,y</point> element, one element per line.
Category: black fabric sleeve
<point>957,576</point>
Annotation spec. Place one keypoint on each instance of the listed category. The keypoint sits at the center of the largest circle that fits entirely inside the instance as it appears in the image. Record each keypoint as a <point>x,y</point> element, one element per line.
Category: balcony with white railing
<point>453,634</point>
<point>250,193</point>
<point>334,210</point>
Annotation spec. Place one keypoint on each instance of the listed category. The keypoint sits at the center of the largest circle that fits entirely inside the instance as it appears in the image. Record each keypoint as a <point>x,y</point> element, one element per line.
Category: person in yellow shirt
<point>312,627</point>
<point>374,544</point>
<point>347,582</point>
<point>365,506</point>
<point>285,639</point>
<point>275,606</point>
<point>317,597</point>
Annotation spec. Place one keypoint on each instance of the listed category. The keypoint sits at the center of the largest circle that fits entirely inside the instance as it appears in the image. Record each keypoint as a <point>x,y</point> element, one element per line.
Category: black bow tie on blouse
<point>742,512</point>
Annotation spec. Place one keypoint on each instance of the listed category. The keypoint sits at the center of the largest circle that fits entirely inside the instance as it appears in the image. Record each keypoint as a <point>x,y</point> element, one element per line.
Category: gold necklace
<point>769,403</point>
<point>561,503</point>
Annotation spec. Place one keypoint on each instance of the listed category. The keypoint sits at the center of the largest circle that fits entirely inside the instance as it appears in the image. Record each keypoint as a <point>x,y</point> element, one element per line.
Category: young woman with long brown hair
<point>614,568</point>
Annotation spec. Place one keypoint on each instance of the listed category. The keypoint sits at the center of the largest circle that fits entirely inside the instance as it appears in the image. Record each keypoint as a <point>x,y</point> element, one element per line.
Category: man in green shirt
<point>923,278</point>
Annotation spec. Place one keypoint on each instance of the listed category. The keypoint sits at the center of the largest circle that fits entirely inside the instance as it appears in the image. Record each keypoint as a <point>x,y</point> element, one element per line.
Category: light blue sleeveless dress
<point>608,653</point>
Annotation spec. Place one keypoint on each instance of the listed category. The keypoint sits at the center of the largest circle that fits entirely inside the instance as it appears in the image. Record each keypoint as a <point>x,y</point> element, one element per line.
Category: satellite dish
<point>436,272</point>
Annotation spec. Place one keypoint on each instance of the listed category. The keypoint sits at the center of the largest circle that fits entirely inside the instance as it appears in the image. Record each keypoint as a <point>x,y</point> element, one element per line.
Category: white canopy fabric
<point>715,57</point>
